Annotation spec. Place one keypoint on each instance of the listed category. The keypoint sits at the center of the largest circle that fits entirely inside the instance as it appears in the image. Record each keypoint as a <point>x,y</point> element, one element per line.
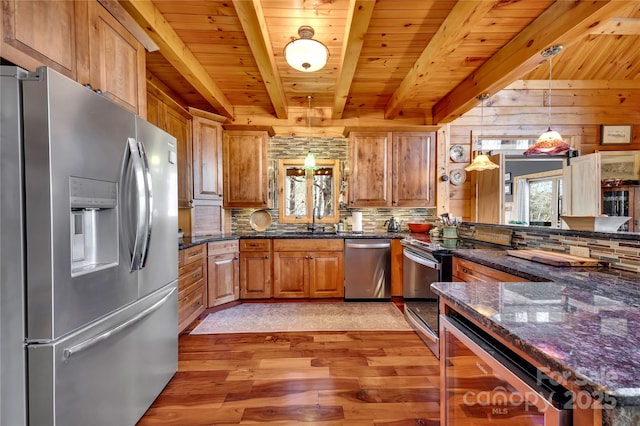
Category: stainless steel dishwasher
<point>367,269</point>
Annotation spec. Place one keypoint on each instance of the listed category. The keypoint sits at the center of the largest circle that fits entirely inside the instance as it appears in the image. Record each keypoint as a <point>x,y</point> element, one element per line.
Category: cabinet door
<point>176,124</point>
<point>154,110</point>
<point>207,159</point>
<point>116,61</point>
<point>490,192</point>
<point>36,33</point>
<point>223,276</point>
<point>245,169</point>
<point>414,166</point>
<point>326,274</point>
<point>255,275</point>
<point>583,176</point>
<point>467,271</point>
<point>370,178</point>
<point>290,274</point>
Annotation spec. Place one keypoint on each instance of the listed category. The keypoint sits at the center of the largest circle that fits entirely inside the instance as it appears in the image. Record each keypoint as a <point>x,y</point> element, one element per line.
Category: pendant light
<point>304,53</point>
<point>481,161</point>
<point>309,160</point>
<point>550,142</point>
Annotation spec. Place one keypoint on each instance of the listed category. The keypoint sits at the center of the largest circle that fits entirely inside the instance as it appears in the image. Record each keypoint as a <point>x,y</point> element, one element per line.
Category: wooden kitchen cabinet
<point>370,169</point>
<point>246,178</point>
<point>165,113</point>
<point>207,154</point>
<point>223,273</point>
<point>255,269</point>
<point>308,268</point>
<point>36,33</point>
<point>414,169</point>
<point>392,169</point>
<point>468,271</point>
<point>110,58</point>
<point>192,290</point>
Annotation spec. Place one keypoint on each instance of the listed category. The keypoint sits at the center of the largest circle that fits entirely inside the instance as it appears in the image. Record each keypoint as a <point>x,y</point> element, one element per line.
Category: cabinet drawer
<point>190,306</point>
<point>255,245</point>
<point>336,244</point>
<point>468,271</point>
<point>222,247</point>
<point>192,254</point>
<point>190,274</point>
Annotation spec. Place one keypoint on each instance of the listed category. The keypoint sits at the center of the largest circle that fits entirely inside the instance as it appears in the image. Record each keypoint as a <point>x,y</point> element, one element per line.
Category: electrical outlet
<point>579,251</point>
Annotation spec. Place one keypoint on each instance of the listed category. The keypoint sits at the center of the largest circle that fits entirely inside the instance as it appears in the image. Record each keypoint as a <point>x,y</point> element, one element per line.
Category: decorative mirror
<point>303,193</point>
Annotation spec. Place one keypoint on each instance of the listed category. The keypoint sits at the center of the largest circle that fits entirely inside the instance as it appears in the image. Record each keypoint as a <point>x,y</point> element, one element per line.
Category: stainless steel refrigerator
<point>88,298</point>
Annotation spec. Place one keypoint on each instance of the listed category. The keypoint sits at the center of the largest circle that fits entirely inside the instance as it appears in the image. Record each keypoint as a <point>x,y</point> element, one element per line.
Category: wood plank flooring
<point>311,378</point>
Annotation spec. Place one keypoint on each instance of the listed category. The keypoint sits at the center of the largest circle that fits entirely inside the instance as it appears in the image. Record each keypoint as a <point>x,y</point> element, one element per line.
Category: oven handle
<point>421,260</point>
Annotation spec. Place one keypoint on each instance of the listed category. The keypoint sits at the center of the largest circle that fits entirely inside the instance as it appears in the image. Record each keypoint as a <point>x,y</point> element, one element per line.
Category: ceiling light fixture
<point>550,142</point>
<point>304,53</point>
<point>481,161</point>
<point>309,160</point>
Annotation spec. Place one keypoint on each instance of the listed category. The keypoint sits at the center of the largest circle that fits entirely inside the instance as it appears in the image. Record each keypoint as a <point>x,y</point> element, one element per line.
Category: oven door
<point>483,385</point>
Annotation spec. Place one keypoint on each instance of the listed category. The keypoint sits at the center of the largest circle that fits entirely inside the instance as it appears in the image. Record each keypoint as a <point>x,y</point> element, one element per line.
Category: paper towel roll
<point>356,222</point>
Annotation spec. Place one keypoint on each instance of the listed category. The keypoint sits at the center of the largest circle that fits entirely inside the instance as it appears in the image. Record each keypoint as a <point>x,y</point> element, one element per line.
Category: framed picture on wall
<point>615,135</point>
<point>507,188</point>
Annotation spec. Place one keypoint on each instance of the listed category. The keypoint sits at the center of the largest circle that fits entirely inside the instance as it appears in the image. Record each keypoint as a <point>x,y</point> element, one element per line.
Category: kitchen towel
<point>356,222</point>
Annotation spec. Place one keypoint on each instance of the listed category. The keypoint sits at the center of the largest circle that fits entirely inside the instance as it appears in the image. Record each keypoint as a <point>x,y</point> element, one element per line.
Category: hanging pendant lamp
<point>481,161</point>
<point>310,159</point>
<point>550,142</point>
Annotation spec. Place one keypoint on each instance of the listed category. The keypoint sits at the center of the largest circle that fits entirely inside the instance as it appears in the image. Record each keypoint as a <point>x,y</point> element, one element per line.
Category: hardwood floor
<point>315,378</point>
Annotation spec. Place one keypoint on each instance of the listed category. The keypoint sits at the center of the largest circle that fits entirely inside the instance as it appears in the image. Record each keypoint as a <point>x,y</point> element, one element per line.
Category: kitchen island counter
<point>580,323</point>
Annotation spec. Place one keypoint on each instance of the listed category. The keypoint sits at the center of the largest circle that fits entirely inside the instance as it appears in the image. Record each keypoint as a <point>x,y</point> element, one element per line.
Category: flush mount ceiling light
<point>550,142</point>
<point>481,161</point>
<point>306,54</point>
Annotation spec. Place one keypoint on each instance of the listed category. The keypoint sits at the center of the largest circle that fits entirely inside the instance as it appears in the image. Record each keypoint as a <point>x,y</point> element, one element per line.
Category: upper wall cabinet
<point>112,60</point>
<point>79,39</point>
<point>207,155</point>
<point>392,169</point>
<point>36,33</point>
<point>246,180</point>
<point>165,113</point>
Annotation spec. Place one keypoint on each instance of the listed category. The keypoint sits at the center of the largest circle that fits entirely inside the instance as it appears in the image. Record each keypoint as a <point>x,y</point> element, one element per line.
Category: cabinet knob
<point>266,257</point>
<point>310,257</point>
<point>465,270</point>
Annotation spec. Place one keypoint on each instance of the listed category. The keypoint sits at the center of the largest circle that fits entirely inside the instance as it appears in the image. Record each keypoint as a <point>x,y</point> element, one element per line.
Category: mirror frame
<point>282,164</point>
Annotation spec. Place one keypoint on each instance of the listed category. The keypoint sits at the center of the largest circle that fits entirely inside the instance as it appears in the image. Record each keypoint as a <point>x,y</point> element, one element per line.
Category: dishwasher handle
<point>368,245</point>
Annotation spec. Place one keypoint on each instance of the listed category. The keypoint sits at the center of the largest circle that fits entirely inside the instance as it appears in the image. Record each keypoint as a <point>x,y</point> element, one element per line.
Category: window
<point>303,193</point>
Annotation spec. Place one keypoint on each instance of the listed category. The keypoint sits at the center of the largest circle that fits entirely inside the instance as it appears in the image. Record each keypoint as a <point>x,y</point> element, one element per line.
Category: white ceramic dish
<point>458,176</point>
<point>260,220</point>
<point>456,153</point>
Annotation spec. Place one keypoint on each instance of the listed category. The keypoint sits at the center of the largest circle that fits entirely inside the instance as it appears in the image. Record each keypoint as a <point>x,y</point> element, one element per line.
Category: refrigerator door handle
<point>138,169</point>
<point>148,205</point>
<point>82,346</point>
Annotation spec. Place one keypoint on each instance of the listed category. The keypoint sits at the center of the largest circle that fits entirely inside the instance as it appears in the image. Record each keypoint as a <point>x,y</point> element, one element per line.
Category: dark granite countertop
<point>585,323</point>
<point>187,242</point>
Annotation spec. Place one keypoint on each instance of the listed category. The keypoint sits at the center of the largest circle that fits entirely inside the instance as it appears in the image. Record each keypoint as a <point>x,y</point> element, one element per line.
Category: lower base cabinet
<point>223,277</point>
<point>192,290</point>
<point>255,269</point>
<point>305,268</point>
<point>468,271</point>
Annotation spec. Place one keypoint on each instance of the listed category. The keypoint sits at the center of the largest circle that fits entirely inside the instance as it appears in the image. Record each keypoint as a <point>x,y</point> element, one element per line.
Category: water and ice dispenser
<point>94,225</point>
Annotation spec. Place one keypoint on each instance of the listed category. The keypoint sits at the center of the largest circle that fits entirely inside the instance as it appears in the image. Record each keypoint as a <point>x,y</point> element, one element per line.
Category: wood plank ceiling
<point>392,62</point>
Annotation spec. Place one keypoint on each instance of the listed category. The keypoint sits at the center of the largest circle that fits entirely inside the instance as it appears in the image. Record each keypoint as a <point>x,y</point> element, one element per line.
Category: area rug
<point>282,317</point>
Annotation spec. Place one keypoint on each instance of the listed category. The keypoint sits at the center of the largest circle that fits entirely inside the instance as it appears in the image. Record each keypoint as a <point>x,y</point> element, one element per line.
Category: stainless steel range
<point>424,263</point>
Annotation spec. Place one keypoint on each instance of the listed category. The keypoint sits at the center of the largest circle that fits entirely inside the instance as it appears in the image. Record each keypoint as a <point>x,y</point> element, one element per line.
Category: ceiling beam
<point>453,31</point>
<point>177,53</point>
<point>564,22</point>
<point>255,29</point>
<point>358,18</point>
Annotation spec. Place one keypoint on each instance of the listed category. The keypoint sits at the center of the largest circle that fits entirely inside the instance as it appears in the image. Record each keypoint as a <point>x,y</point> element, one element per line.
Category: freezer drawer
<point>110,372</point>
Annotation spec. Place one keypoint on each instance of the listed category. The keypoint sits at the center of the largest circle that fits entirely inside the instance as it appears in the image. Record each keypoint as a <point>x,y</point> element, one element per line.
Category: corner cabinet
<point>392,169</point>
<point>308,268</point>
<point>246,178</point>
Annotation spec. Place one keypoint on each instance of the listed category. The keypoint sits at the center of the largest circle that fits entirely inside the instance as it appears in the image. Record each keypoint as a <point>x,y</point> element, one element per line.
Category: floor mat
<point>283,317</point>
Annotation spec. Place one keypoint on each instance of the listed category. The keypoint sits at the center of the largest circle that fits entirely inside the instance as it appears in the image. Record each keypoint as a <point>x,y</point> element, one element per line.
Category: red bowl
<point>419,227</point>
